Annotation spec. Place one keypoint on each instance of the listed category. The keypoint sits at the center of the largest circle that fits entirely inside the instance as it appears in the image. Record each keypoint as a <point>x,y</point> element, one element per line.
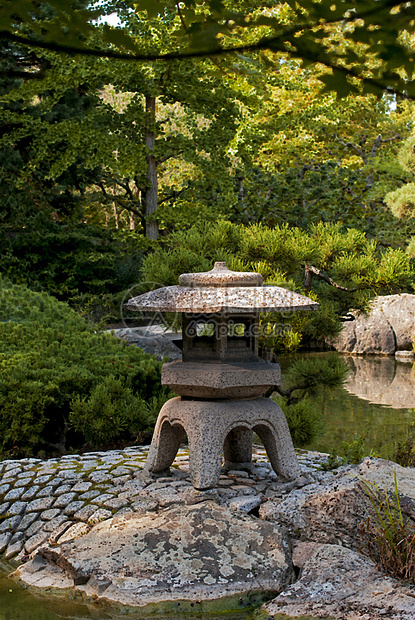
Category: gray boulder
<point>389,327</point>
<point>154,340</point>
<point>339,583</point>
<point>202,552</point>
<point>331,511</point>
<point>325,513</point>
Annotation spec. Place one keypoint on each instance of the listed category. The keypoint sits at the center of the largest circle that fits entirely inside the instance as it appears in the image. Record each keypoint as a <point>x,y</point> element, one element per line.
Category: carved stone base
<point>221,426</point>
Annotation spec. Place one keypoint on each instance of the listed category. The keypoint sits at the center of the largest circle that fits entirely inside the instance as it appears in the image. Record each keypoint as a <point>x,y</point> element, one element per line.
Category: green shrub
<point>401,201</point>
<point>53,372</point>
<point>281,255</point>
<point>404,451</point>
<point>304,421</point>
<point>354,451</point>
<point>333,462</point>
<point>108,412</point>
<point>309,374</point>
<point>302,380</point>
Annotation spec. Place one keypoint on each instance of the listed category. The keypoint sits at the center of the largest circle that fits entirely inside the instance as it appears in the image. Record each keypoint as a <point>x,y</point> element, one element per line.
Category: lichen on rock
<point>183,553</point>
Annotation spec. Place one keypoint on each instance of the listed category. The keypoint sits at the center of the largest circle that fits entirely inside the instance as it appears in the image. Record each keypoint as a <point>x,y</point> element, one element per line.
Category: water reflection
<point>378,402</point>
<point>381,381</point>
<point>18,603</point>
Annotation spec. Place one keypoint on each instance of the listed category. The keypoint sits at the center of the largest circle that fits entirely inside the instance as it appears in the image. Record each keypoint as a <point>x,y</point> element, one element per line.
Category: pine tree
<point>55,370</point>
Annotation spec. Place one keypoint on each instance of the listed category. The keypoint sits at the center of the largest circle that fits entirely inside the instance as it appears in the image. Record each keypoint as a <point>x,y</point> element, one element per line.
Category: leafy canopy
<point>367,39</point>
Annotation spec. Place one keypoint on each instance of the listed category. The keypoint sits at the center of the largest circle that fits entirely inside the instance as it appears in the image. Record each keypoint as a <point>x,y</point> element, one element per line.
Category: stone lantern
<point>220,379</point>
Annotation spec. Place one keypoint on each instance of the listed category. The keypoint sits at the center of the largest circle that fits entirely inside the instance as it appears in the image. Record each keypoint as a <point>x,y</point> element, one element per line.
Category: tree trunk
<point>114,208</point>
<point>150,194</point>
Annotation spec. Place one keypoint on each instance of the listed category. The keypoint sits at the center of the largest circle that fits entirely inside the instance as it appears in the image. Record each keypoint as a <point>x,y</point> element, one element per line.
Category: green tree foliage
<point>284,255</point>
<point>402,200</point>
<point>23,197</point>
<point>56,373</point>
<point>129,130</point>
<point>302,156</point>
<point>86,266</point>
<point>168,144</point>
<point>368,41</point>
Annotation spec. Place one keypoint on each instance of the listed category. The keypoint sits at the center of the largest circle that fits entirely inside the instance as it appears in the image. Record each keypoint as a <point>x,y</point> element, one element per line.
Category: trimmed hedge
<point>63,386</point>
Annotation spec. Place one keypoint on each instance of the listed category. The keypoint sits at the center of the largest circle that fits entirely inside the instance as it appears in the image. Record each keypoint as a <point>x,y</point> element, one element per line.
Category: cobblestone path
<point>59,499</point>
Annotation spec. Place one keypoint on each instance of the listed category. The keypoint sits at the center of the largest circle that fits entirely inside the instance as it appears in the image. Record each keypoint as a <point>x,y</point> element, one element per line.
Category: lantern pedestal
<point>214,427</point>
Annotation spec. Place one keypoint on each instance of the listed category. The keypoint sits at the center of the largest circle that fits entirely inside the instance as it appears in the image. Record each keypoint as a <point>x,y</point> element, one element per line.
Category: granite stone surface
<point>81,494</point>
<point>187,552</point>
<point>312,521</point>
<point>209,424</point>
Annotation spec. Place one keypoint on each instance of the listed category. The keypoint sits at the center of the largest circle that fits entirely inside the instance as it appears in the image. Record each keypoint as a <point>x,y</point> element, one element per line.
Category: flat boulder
<point>336,582</point>
<point>387,328</point>
<point>201,552</point>
<point>153,340</point>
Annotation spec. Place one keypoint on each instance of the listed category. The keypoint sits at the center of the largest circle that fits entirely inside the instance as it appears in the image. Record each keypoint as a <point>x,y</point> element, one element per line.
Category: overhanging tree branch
<point>285,42</point>
<point>310,270</point>
<point>288,394</point>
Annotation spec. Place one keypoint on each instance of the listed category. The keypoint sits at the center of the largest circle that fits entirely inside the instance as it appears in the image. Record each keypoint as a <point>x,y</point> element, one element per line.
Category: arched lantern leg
<point>165,444</point>
<point>237,447</point>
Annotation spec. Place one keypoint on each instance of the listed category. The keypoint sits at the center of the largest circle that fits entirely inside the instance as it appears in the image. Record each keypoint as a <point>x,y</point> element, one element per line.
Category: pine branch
<point>310,271</point>
<point>287,393</point>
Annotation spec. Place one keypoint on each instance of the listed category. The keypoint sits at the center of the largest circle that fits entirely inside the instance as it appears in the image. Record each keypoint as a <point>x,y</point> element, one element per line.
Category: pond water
<point>17,603</point>
<point>378,400</point>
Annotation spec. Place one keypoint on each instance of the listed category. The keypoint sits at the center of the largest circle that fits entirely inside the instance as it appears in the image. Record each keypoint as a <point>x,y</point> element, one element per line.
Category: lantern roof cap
<point>220,275</point>
<point>221,290</point>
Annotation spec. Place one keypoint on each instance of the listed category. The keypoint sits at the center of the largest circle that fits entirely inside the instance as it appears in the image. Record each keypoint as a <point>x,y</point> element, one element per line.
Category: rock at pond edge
<point>339,583</point>
<point>202,552</point>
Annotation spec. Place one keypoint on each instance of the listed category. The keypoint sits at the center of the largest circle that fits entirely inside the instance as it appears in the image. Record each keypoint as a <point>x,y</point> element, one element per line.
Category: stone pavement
<point>171,544</point>
<point>56,500</point>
